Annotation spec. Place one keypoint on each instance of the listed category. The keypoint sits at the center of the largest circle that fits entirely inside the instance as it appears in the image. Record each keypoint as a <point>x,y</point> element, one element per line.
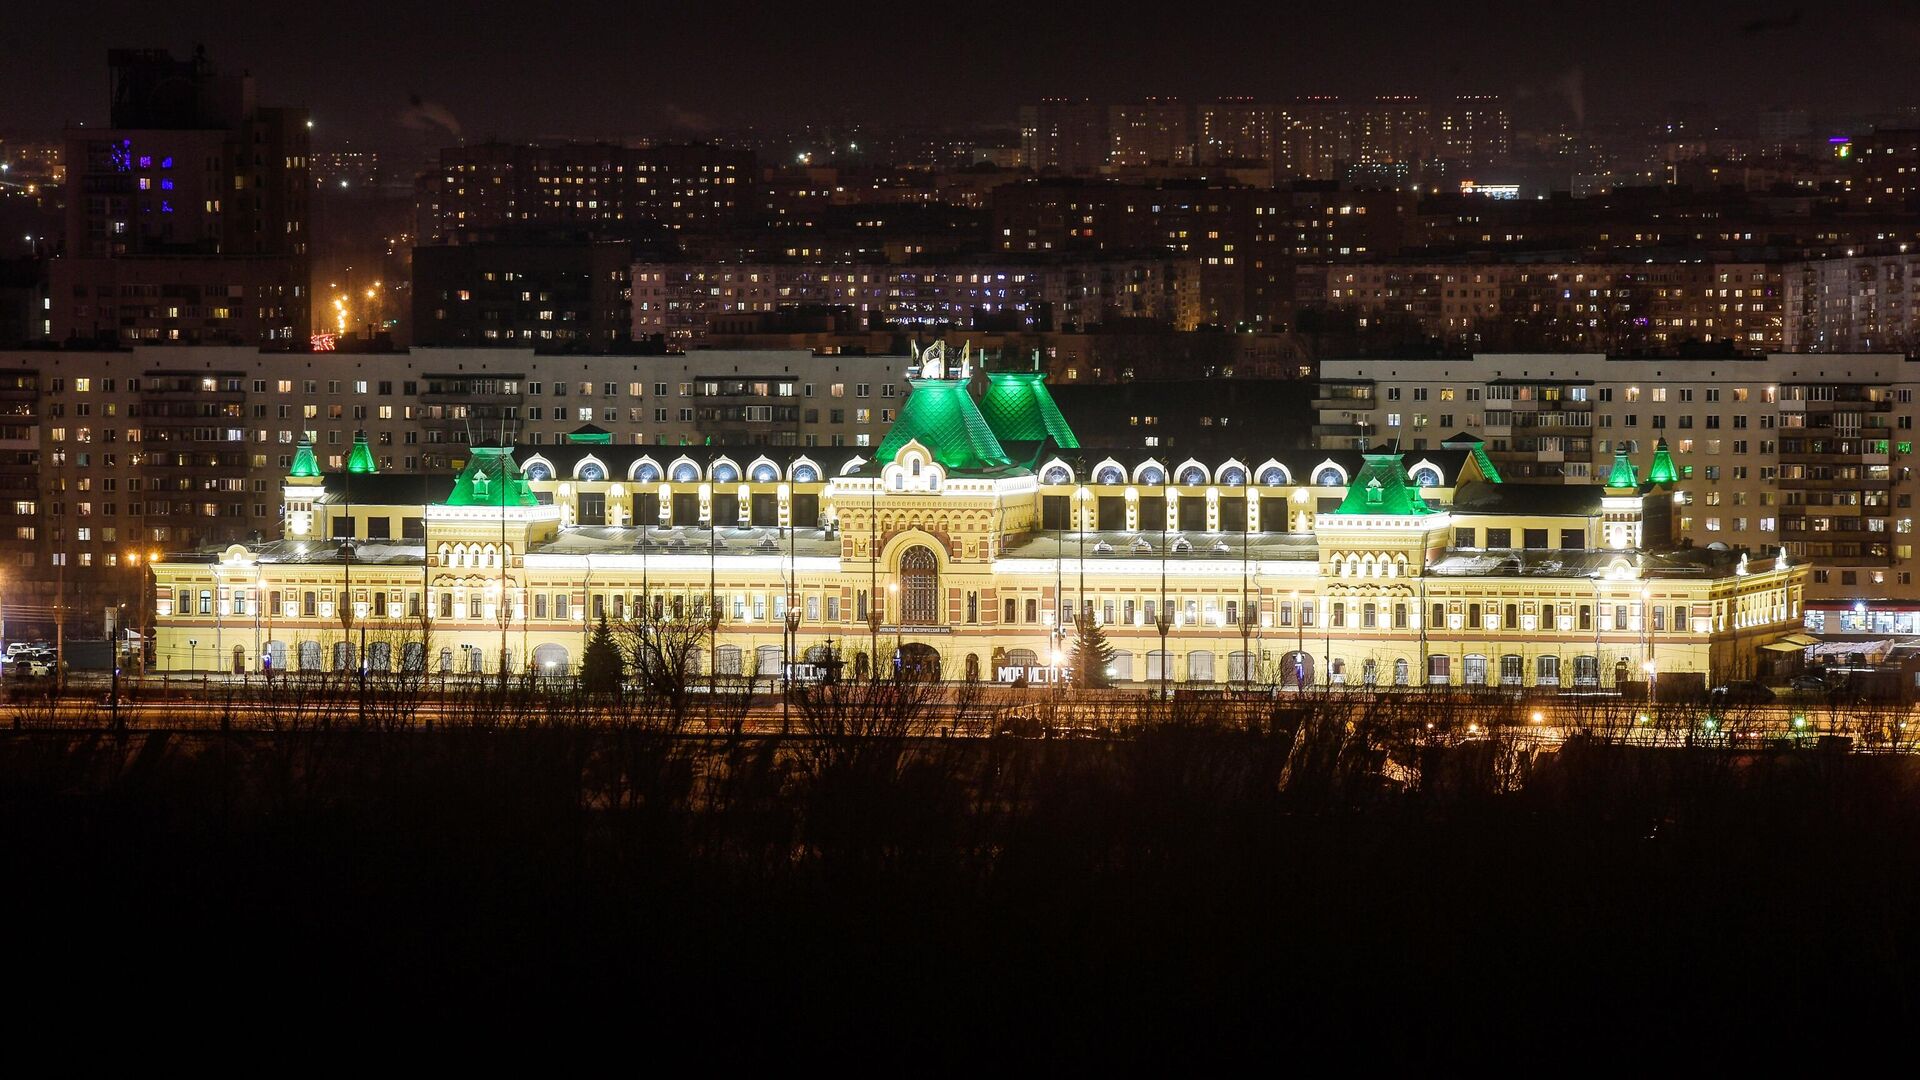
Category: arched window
<point>1547,670</point>
<point>1474,671</point>
<point>592,471</point>
<point>765,474</point>
<point>1193,474</point>
<point>549,659</point>
<point>805,474</point>
<point>973,667</point>
<point>309,656</point>
<point>380,657</point>
<point>1110,475</point>
<point>1369,672</point>
<point>685,473</point>
<point>539,471</point>
<point>726,660</point>
<point>1058,474</point>
<point>446,661</point>
<point>647,473</point>
<point>1296,670</point>
<point>1122,667</point>
<point>920,588</point>
<point>1400,672</point>
<point>767,661</point>
<point>1513,668</point>
<point>1233,474</point>
<point>1329,477</point>
<point>1200,666</point>
<point>725,473</point>
<point>1152,476</point>
<point>1240,667</point>
<point>1425,477</point>
<point>1273,476</point>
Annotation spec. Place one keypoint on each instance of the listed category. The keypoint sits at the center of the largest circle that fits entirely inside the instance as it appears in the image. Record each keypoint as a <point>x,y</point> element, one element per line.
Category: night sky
<point>590,67</point>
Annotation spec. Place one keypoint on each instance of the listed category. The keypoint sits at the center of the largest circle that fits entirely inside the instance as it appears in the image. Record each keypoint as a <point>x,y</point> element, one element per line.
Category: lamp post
<point>789,643</point>
<point>193,652</point>
<point>1299,643</point>
<point>893,595</point>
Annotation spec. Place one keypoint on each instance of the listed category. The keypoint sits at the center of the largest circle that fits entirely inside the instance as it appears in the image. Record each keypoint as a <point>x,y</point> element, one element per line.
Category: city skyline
<point>600,71</point>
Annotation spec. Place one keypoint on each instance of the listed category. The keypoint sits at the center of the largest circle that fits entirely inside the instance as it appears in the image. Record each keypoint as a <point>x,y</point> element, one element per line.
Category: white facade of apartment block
<point>1812,452</point>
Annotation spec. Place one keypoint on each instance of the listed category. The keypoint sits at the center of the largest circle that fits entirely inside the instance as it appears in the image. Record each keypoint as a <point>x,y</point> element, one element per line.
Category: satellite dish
<point>1717,545</point>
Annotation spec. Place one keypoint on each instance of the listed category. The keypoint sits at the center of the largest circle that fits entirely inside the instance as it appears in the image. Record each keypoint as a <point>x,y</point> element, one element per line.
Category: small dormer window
<point>916,466</point>
<point>479,483</point>
<point>1374,494</point>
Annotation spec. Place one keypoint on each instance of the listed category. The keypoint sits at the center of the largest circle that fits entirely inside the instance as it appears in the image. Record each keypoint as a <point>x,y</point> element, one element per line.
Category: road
<point>982,711</point>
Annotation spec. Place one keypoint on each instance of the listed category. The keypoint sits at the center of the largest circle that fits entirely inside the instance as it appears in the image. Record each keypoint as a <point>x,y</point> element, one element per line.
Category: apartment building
<point>187,215</point>
<point>1812,453</point>
<point>1615,306</point>
<point>679,300</point>
<point>104,455</point>
<point>1853,303</point>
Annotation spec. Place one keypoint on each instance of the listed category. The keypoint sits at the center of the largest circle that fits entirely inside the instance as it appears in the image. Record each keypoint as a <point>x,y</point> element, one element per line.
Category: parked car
<point>1812,684</point>
<point>1742,693</point>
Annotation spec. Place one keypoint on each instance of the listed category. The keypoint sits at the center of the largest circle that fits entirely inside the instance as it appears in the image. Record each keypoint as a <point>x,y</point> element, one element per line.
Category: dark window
<point>1233,515</point>
<point>413,528</point>
<point>593,508</point>
<point>806,510</point>
<point>1463,538</point>
<point>765,508</point>
<point>1273,514</point>
<point>1535,539</point>
<point>646,509</point>
<point>1056,512</point>
<point>1193,513</point>
<point>1573,539</point>
<point>1499,538</point>
<point>1153,514</point>
<point>1033,611</point>
<point>726,509</point>
<point>1112,512</point>
<point>379,528</point>
<point>1012,611</point>
<point>686,508</point>
<point>342,526</point>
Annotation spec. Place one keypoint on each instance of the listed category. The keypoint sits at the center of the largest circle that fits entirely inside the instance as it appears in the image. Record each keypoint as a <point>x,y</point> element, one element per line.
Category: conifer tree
<point>1092,653</point>
<point>602,667</point>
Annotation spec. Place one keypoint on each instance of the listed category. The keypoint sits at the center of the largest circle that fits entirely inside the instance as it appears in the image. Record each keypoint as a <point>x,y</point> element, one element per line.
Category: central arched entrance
<point>919,588</point>
<point>916,662</point>
<point>1296,669</point>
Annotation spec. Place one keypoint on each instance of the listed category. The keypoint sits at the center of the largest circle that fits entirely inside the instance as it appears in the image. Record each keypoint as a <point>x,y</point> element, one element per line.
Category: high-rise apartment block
<point>187,214</point>
<point>490,191</point>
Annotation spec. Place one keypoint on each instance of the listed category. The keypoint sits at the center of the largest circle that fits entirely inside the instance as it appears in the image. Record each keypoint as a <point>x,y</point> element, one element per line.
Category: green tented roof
<point>1382,488</point>
<point>304,463</point>
<point>1662,470</point>
<point>491,478</point>
<point>591,435</point>
<point>1487,470</point>
<point>361,459</point>
<point>941,415</point>
<point>1623,475</point>
<point>1019,409</point>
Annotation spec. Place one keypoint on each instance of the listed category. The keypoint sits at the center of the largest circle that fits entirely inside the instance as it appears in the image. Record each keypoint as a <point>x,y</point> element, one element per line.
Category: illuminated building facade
<point>960,546</point>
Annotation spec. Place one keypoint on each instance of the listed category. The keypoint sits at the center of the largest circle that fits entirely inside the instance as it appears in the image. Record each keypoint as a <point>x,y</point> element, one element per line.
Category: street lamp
<point>193,651</point>
<point>789,644</point>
